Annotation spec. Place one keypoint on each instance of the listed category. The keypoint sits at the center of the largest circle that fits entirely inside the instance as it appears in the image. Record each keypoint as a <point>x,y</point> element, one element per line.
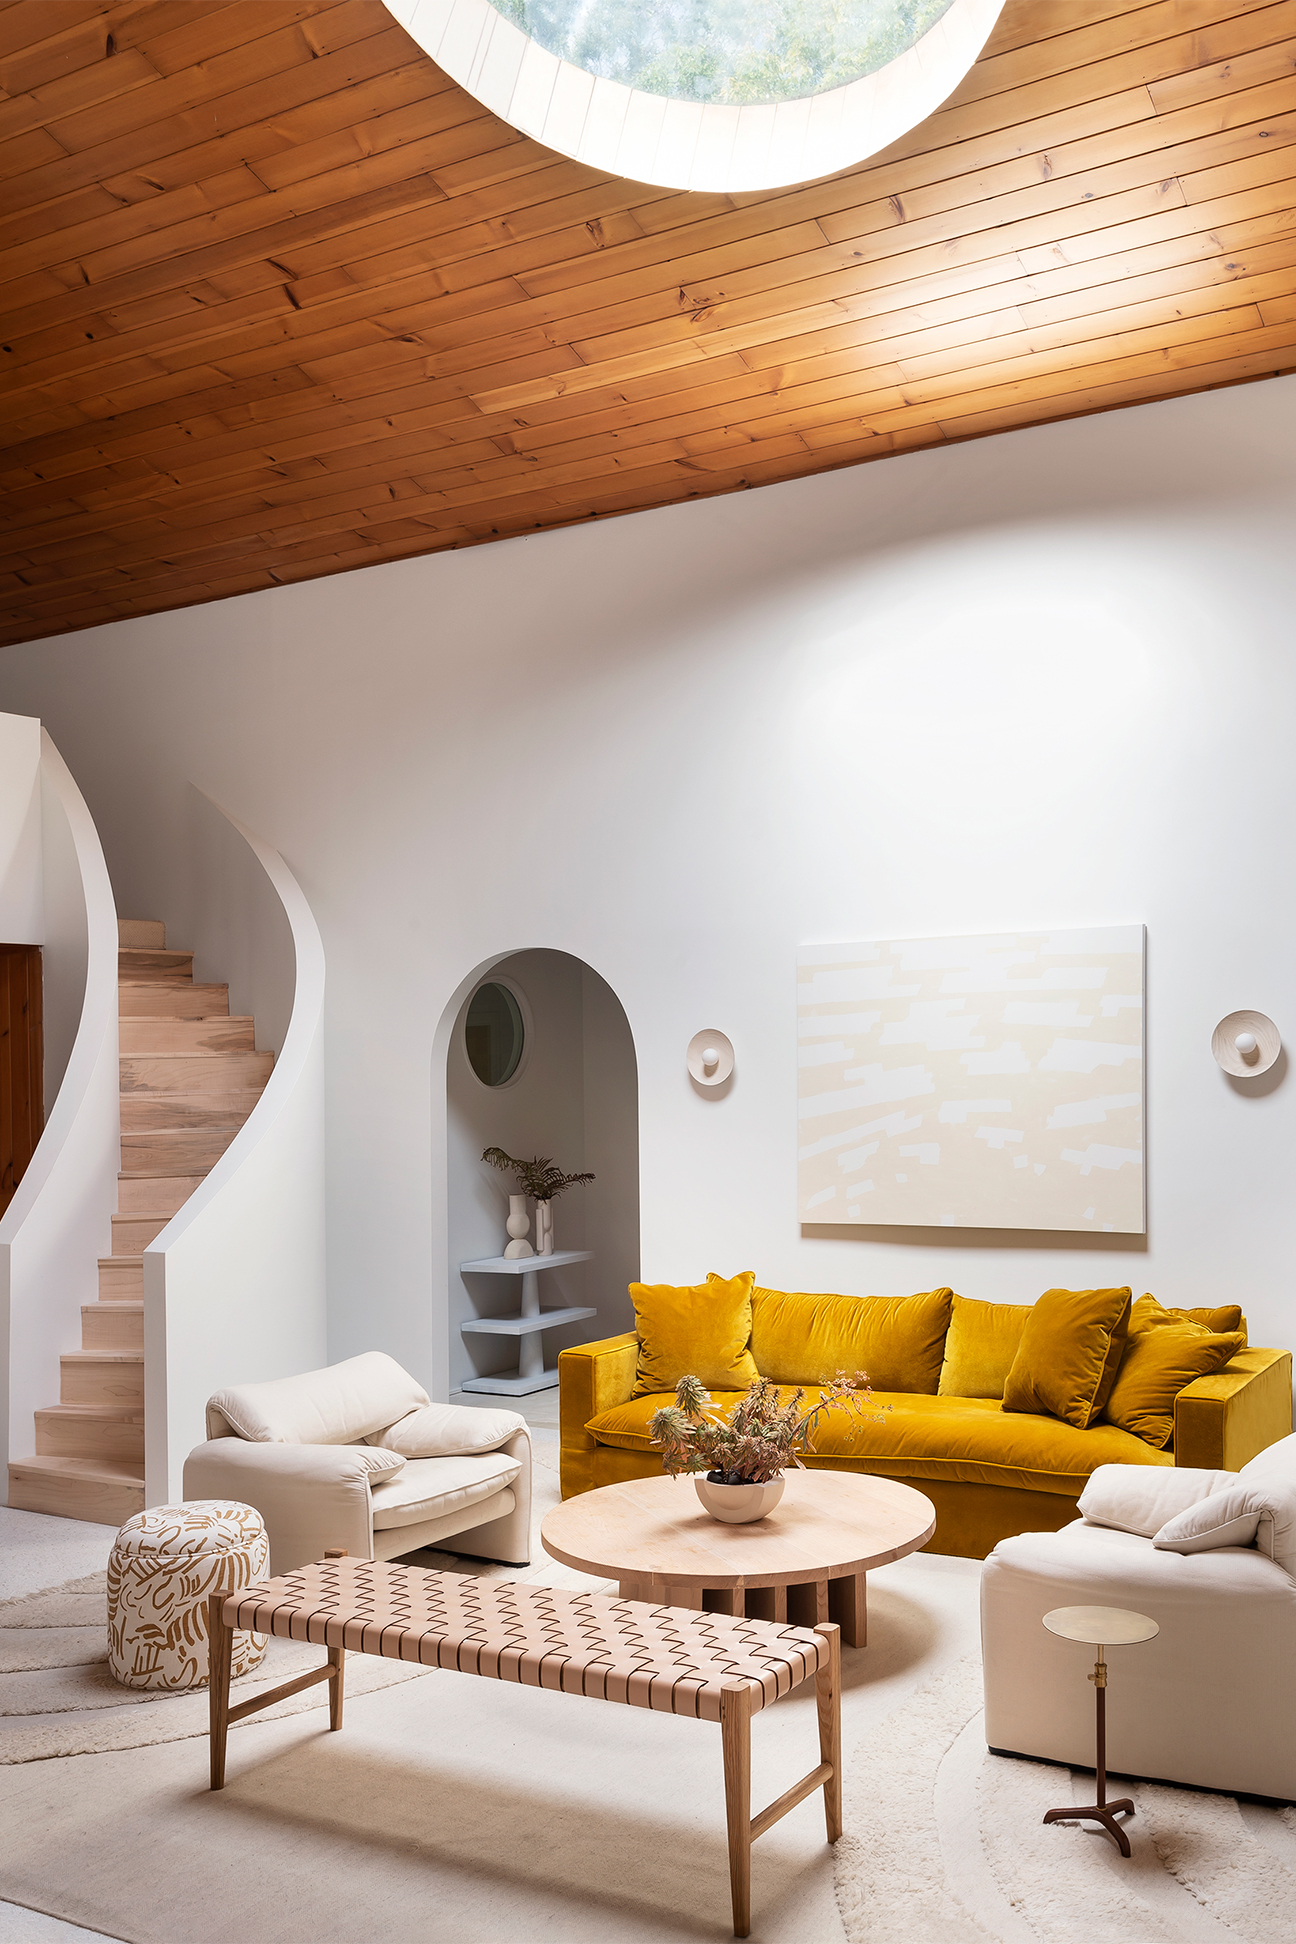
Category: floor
<point>635,1804</point>
<point>36,1551</point>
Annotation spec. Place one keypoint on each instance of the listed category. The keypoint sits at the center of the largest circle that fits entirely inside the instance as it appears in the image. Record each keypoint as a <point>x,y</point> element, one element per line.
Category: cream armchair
<point>1211,1557</point>
<point>357,1455</point>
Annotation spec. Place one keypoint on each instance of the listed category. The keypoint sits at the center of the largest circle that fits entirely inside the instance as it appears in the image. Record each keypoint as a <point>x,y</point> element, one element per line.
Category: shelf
<point>524,1265</point>
<point>507,1385</point>
<point>522,1325</point>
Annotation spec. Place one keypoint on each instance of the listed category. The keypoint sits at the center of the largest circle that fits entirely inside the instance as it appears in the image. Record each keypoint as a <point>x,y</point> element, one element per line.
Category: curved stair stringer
<point>234,1285</point>
<point>59,1220</point>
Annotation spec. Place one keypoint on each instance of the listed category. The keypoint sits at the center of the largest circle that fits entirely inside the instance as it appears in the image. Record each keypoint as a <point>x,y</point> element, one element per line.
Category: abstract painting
<point>989,1082</point>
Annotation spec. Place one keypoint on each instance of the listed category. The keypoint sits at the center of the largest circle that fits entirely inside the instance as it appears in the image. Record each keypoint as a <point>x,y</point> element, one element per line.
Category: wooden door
<point>22,1064</point>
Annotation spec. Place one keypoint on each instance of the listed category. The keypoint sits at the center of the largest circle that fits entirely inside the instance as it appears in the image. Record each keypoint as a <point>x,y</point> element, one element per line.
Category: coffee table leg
<point>848,1606</point>
<point>807,1603</point>
<point>630,1589</point>
<point>725,1599</point>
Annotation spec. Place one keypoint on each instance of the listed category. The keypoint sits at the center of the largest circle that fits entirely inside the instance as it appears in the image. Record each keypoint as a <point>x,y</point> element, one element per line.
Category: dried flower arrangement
<point>540,1177</point>
<point>760,1439</point>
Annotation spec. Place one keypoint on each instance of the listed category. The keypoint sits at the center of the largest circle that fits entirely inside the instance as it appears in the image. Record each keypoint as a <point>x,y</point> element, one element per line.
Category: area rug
<point>945,1844</point>
<point>58,1697</point>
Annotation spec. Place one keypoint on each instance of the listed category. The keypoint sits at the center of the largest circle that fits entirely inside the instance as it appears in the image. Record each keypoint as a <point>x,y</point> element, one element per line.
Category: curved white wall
<point>59,1221</point>
<point>234,1285</point>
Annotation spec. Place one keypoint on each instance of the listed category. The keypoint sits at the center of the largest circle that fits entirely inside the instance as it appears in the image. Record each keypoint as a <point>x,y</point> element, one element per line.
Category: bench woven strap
<point>581,1643</point>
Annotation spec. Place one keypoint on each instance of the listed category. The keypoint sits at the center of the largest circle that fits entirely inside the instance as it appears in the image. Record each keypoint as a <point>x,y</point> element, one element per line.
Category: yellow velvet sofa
<point>988,1471</point>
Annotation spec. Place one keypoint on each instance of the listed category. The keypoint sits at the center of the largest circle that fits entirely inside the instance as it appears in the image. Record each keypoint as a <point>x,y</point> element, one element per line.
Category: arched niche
<point>574,1097</point>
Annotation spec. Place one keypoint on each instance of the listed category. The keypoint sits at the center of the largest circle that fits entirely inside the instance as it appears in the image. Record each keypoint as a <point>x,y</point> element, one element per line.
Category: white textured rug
<point>946,1844</point>
<point>57,1696</point>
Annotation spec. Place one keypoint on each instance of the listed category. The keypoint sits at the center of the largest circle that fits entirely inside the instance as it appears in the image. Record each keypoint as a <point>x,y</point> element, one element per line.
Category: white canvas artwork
<point>973,1082</point>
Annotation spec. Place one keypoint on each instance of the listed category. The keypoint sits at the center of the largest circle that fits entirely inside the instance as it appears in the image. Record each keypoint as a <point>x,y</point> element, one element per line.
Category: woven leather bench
<point>704,1665</point>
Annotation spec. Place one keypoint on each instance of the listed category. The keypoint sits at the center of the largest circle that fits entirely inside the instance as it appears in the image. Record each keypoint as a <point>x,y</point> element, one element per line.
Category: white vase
<point>519,1227</point>
<point>544,1228</point>
<point>739,1504</point>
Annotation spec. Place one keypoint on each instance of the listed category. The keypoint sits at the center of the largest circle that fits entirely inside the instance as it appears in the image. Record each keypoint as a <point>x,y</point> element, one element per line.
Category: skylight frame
<point>672,144</point>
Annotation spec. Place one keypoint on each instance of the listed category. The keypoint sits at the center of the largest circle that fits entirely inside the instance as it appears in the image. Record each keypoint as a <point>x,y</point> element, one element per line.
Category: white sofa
<point>1210,1701</point>
<point>357,1455</point>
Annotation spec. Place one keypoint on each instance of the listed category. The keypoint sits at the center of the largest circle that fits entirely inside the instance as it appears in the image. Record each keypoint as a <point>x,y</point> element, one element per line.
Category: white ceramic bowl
<point>739,1504</point>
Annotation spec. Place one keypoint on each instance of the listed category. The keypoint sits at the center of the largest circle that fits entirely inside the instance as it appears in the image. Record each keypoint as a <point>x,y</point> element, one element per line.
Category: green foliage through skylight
<point>726,51</point>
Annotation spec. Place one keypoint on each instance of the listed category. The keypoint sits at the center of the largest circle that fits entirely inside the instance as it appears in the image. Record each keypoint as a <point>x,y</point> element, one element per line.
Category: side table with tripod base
<point>1100,1627</point>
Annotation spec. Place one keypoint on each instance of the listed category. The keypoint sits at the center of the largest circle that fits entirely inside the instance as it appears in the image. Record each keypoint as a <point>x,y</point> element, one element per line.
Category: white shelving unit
<point>531,1374</point>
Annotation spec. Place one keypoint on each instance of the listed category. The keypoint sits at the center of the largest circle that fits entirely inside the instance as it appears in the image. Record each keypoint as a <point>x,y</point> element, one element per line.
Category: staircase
<point>190,1076</point>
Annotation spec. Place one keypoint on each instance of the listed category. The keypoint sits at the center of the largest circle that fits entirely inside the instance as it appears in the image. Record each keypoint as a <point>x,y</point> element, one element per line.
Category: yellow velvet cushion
<point>1066,1362</point>
<point>898,1340</point>
<point>1158,1364</point>
<point>969,1440</point>
<point>702,1330</point>
<point>983,1339</point>
<point>1148,1314</point>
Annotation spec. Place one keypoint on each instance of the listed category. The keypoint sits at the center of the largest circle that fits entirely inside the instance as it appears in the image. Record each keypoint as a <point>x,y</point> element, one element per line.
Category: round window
<point>493,1034</point>
<point>715,95</point>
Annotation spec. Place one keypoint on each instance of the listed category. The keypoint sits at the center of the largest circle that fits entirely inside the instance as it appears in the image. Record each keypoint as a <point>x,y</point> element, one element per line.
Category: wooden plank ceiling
<point>279,299</point>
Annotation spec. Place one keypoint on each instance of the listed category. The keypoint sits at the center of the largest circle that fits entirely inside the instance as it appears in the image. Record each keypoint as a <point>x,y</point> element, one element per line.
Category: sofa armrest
<point>593,1377</point>
<point>1222,1421</point>
<point>310,1496</point>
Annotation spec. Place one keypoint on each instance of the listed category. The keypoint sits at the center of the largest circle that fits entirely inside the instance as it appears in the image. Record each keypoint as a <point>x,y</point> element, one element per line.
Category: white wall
<point>1042,679</point>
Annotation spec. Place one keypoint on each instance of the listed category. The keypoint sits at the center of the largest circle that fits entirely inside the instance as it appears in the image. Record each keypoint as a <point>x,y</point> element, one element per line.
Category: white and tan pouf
<point>164,1564</point>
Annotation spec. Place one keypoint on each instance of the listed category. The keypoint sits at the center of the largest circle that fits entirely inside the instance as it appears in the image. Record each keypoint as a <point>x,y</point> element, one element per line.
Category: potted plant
<point>543,1180</point>
<point>744,1456</point>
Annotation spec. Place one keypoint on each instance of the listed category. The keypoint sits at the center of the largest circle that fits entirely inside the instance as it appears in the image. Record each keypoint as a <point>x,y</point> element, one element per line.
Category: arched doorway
<point>540,1060</point>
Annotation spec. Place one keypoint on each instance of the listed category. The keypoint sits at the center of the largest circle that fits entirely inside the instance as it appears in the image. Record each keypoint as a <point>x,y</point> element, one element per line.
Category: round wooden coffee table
<point>804,1563</point>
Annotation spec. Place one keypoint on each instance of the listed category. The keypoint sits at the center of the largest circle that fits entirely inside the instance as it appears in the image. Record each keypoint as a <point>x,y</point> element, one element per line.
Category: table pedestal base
<point>801,1603</point>
<point>1102,1811</point>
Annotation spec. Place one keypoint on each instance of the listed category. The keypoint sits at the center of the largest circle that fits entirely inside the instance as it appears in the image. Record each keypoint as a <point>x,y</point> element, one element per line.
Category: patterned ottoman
<point>165,1562</point>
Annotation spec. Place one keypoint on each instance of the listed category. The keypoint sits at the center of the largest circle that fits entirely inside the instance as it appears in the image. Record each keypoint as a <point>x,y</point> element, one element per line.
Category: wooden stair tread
<point>98,1413</point>
<point>101,1356</point>
<point>105,1470</point>
<point>160,1175</point>
<point>122,1303</point>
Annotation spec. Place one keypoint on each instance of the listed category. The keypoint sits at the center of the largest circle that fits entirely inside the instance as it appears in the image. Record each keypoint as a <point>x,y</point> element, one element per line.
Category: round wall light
<point>710,1058</point>
<point>742,95</point>
<point>1246,1043</point>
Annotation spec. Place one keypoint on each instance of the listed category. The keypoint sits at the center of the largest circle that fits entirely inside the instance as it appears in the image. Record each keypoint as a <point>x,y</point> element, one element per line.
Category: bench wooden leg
<point>735,1733</point>
<point>828,1700</point>
<point>220,1655</point>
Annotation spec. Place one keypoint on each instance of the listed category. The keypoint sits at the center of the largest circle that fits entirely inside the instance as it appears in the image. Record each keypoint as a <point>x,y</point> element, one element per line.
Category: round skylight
<point>707,94</point>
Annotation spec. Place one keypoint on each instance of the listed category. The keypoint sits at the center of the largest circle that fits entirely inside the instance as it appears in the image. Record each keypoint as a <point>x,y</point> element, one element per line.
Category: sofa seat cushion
<point>971,1440</point>
<point>430,1488</point>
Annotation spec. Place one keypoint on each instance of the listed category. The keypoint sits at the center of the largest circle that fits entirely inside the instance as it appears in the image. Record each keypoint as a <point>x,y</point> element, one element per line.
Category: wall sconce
<point>710,1058</point>
<point>1246,1043</point>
